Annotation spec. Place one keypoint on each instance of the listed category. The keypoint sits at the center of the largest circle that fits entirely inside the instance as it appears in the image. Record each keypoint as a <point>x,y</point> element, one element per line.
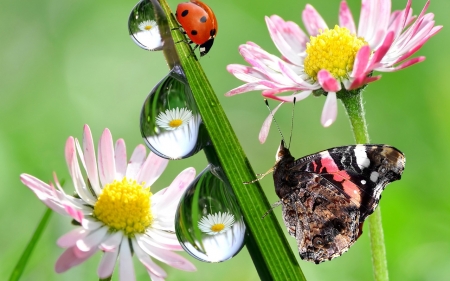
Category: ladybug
<point>199,23</point>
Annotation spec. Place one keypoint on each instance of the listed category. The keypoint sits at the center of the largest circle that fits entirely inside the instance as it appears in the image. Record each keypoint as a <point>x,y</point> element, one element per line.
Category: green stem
<point>20,266</point>
<point>355,110</point>
<point>265,241</point>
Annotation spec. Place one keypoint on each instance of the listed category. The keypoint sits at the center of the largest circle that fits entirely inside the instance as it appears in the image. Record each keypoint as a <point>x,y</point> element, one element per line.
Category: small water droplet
<point>208,222</point>
<point>144,28</point>
<point>170,122</point>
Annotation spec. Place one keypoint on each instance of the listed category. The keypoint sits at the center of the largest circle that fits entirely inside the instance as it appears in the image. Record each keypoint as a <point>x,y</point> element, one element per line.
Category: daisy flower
<point>213,224</point>
<point>177,142</point>
<point>115,210</point>
<point>173,119</point>
<point>148,25</point>
<point>330,60</point>
<point>222,238</point>
<point>147,35</point>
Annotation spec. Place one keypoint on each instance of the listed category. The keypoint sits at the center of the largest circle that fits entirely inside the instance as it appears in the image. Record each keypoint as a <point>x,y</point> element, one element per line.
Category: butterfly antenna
<point>273,118</point>
<point>292,123</point>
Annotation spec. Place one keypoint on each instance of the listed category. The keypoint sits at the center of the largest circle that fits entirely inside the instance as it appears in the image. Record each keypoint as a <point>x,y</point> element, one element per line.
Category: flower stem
<point>20,266</point>
<point>355,110</point>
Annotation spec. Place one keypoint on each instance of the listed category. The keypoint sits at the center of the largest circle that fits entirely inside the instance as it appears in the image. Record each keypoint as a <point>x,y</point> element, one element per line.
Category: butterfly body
<point>326,196</point>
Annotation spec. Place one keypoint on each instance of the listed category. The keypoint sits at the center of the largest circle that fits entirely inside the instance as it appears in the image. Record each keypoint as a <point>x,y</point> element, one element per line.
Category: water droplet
<point>144,27</point>
<point>208,222</point>
<point>170,121</point>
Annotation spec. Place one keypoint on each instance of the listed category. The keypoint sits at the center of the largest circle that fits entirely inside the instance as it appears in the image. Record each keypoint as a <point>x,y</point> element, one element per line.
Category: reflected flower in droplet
<point>174,119</point>
<point>218,223</point>
<point>170,122</point>
<point>148,25</point>
<point>176,143</point>
<point>209,222</point>
<point>143,28</point>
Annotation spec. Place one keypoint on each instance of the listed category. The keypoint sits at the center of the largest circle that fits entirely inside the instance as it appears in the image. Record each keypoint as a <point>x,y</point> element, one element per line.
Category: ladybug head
<point>205,47</point>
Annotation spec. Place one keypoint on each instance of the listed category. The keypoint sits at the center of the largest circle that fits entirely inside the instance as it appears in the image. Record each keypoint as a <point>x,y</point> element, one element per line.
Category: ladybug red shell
<point>199,23</point>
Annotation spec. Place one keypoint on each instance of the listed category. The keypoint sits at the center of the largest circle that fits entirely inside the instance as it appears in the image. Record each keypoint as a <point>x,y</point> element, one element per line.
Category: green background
<point>67,63</point>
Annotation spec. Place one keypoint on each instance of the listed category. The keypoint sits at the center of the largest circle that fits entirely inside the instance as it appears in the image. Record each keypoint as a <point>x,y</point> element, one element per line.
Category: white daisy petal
<point>126,269</point>
<point>107,263</point>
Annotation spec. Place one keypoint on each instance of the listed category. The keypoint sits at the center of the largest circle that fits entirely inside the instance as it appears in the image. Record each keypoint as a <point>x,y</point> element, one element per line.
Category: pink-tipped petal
<point>70,238</point>
<point>106,163</point>
<point>374,20</point>
<point>74,213</point>
<point>256,86</point>
<point>287,37</point>
<point>327,81</point>
<point>112,241</point>
<point>381,51</point>
<point>152,169</point>
<point>136,161</point>
<point>69,259</point>
<point>361,61</point>
<point>89,159</point>
<point>40,188</point>
<point>92,240</point>
<point>346,18</point>
<point>150,265</point>
<point>246,73</point>
<point>314,23</point>
<point>75,172</point>
<point>361,81</point>
<point>168,257</point>
<point>169,200</point>
<point>403,65</point>
<point>107,263</point>
<point>264,132</point>
<point>329,112</point>
<point>120,157</point>
<point>126,269</point>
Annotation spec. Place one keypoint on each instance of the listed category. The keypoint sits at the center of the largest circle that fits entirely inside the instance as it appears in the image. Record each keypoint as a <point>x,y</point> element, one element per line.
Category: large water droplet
<point>144,26</point>
<point>170,121</point>
<point>208,222</point>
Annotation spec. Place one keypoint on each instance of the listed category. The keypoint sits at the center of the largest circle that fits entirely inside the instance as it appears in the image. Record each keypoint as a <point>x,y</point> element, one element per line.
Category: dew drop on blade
<point>144,27</point>
<point>208,221</point>
<point>170,122</point>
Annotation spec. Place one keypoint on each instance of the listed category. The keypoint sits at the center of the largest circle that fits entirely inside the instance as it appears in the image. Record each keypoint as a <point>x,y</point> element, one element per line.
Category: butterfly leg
<point>261,176</point>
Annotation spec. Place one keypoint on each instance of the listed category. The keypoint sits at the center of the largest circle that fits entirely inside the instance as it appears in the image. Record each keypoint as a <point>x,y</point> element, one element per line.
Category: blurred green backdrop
<point>67,63</point>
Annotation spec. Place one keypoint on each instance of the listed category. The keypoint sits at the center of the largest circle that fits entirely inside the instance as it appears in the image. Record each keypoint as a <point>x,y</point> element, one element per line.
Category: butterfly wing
<point>359,172</point>
<point>323,220</point>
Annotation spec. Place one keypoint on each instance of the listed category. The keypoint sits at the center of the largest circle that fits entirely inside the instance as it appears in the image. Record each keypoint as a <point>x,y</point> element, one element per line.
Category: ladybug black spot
<point>212,32</point>
<point>194,32</point>
<point>184,13</point>
<point>203,19</point>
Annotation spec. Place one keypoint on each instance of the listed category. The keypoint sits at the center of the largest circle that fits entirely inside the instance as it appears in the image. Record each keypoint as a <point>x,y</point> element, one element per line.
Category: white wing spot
<point>374,176</point>
<point>361,157</point>
<point>363,181</point>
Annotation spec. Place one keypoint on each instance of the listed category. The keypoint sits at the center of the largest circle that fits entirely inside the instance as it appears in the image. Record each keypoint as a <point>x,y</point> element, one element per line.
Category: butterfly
<point>326,196</point>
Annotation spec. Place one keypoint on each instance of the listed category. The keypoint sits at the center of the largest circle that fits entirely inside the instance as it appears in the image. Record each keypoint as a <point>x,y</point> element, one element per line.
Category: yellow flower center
<point>175,123</point>
<point>217,227</point>
<point>333,50</point>
<point>148,27</point>
<point>124,205</point>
